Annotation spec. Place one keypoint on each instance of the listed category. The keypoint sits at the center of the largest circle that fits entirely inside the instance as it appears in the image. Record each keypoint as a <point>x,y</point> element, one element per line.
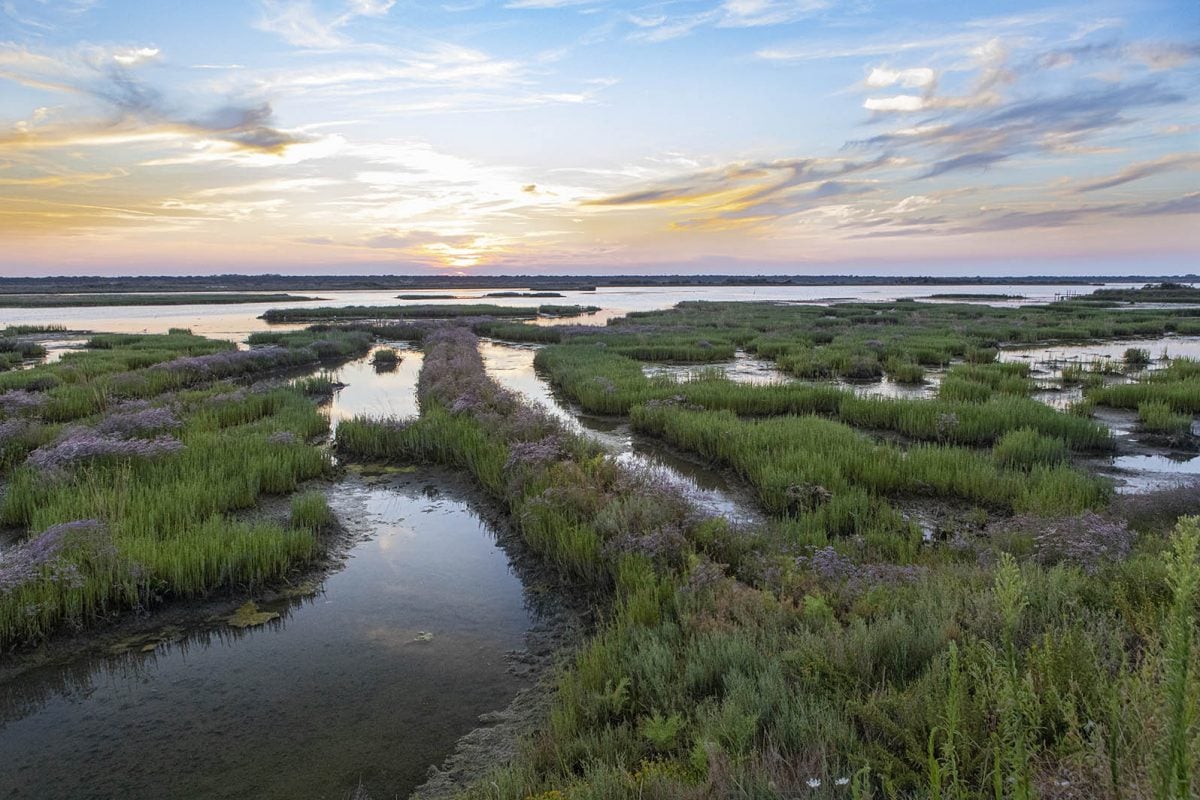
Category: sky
<point>583,136</point>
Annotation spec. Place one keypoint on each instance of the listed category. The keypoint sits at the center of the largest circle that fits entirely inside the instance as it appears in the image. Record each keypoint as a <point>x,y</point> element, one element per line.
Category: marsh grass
<point>311,511</point>
<point>605,382</point>
<point>169,518</point>
<point>1158,417</point>
<point>781,456</point>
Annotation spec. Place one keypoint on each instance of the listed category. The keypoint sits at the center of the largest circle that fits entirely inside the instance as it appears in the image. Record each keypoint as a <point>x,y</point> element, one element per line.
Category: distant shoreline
<point>556,283</point>
<point>76,298</point>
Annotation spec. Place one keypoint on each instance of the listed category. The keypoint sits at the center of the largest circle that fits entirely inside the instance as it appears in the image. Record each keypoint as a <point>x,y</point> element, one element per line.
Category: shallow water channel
<point>710,490</point>
<point>346,687</point>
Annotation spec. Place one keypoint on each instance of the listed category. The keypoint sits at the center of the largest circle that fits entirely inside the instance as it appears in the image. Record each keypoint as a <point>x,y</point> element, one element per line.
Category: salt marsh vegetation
<point>941,597</point>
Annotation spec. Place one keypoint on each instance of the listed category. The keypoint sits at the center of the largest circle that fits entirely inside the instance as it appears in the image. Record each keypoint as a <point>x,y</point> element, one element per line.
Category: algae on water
<point>248,616</point>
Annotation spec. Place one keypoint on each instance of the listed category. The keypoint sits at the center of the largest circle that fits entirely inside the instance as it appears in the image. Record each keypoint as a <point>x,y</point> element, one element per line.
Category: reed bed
<point>604,382</point>
<point>790,460</point>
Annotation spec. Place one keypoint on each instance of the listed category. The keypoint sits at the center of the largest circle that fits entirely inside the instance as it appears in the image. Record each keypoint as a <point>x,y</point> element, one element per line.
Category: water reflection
<point>342,689</point>
<point>369,391</point>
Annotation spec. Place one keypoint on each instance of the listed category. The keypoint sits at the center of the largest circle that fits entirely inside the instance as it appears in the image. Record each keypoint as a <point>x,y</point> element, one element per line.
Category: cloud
<point>965,162</point>
<point>133,56</point>
<point>901,102</point>
<point>912,78</point>
<point>298,23</point>
<point>123,106</point>
<point>1144,169</point>
<point>547,4</point>
<point>757,13</point>
<point>661,26</point>
<point>371,8</point>
<point>1187,204</point>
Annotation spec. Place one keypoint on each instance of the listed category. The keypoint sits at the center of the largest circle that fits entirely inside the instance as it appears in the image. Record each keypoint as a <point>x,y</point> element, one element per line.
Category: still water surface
<point>236,322</point>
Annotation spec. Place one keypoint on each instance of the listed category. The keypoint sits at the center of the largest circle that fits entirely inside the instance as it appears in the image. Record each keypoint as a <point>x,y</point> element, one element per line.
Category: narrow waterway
<point>369,681</point>
<point>710,490</point>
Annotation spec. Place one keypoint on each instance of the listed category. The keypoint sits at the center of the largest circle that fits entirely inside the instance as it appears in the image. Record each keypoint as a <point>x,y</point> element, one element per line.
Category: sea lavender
<point>84,444</point>
<point>42,555</point>
<point>666,543</point>
<point>14,430</point>
<point>705,574</point>
<point>829,564</point>
<point>1086,540</point>
<point>231,362</point>
<point>536,453</point>
<point>17,401</point>
<point>139,422</point>
<point>832,567</point>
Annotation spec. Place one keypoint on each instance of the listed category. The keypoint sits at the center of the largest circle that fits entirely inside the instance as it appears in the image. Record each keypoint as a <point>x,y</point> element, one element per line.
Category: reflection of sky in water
<point>745,368</point>
<point>1052,358</point>
<point>336,692</point>
<point>1151,472</point>
<point>374,393</point>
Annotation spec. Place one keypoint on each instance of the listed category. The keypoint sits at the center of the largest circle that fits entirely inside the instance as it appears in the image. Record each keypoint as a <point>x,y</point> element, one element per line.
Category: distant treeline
<point>259,283</point>
<point>55,300</point>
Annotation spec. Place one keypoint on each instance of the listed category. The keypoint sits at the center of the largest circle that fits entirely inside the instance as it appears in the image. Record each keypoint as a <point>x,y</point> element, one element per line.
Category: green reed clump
<point>518,331</point>
<point>781,456</point>
<point>903,371</point>
<point>311,511</point>
<point>976,382</point>
<point>1182,396</point>
<point>962,390</point>
<point>1026,448</point>
<point>386,357</point>
<point>1158,417</point>
<point>323,384</point>
<point>31,330</point>
<point>1137,357</point>
<point>552,310</point>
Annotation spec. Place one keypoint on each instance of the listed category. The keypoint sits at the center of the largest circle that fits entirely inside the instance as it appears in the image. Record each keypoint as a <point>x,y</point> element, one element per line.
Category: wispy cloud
<point>300,23</point>
<point>1144,169</point>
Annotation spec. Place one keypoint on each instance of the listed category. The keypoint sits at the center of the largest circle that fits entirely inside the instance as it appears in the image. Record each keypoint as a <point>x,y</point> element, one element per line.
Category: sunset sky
<point>577,136</point>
